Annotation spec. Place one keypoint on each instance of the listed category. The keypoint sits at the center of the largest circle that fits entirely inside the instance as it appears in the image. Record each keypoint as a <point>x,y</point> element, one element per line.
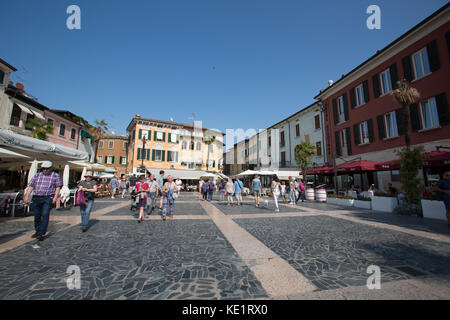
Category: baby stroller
<point>133,201</point>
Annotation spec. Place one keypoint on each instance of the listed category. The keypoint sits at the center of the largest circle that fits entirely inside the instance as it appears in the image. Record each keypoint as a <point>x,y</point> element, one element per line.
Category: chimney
<point>138,116</point>
<point>20,86</point>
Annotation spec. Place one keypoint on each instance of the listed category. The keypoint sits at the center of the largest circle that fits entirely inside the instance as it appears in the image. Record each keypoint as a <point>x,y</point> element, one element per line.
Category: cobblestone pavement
<point>189,257</point>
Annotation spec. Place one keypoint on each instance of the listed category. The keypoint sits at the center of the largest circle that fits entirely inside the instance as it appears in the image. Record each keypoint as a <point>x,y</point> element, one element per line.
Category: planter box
<point>385,204</point>
<point>363,204</point>
<point>433,209</point>
<point>341,202</point>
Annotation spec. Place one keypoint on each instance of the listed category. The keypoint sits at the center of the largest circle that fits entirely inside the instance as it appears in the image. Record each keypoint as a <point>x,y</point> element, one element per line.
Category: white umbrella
<point>83,173</point>
<point>8,154</point>
<point>248,173</point>
<point>65,192</point>
<point>33,170</point>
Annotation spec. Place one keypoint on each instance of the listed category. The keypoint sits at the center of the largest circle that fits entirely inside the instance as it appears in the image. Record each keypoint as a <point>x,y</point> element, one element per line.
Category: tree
<point>40,128</point>
<point>303,155</point>
<point>208,140</point>
<point>98,132</point>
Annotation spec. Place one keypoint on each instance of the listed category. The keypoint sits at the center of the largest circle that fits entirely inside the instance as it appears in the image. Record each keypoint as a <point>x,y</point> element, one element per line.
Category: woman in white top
<point>283,191</point>
<point>291,191</point>
<point>230,191</point>
<point>200,184</point>
<point>169,191</point>
<point>276,187</point>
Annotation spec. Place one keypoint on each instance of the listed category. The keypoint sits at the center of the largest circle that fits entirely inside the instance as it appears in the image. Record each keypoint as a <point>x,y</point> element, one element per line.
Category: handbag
<point>80,200</point>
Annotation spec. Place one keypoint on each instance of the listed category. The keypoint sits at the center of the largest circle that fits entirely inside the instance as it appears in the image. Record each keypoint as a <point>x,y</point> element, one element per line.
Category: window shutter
<point>112,162</point>
<point>214,164</point>
<point>338,144</point>
<point>447,38</point>
<point>106,159</point>
<point>153,155</point>
<point>164,137</point>
<point>344,97</point>
<point>134,134</point>
<point>370,128</point>
<point>154,136</point>
<point>414,114</point>
<point>335,113</point>
<point>407,68</point>
<point>376,85</point>
<point>442,109</point>
<point>349,140</point>
<point>433,56</point>
<point>366,90</point>
<point>149,135</point>
<point>163,155</point>
<point>139,154</point>
<point>176,156</point>
<point>140,134</point>
<point>400,125</point>
<point>381,128</point>
<point>120,160</point>
<point>394,75</point>
<point>352,98</point>
<point>356,134</point>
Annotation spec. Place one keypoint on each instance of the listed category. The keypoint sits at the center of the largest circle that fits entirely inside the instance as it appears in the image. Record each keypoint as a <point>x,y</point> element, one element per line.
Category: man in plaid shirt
<point>46,185</point>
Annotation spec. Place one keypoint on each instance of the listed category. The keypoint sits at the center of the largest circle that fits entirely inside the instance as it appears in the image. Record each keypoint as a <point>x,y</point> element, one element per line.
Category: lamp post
<point>142,156</point>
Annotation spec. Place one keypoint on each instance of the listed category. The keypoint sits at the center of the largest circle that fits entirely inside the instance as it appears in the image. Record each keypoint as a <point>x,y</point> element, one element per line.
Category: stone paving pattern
<point>335,253</point>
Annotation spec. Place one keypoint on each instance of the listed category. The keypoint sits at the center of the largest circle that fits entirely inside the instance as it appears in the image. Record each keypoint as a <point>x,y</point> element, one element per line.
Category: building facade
<point>361,117</point>
<point>112,152</point>
<point>158,144</point>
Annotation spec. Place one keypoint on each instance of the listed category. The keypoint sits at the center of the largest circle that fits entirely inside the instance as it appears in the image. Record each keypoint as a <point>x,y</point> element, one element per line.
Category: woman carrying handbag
<point>86,191</point>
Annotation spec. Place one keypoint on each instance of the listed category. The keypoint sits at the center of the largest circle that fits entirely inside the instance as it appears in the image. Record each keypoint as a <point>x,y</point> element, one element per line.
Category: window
<point>99,159</point>
<point>364,133</point>
<point>318,148</point>
<point>270,141</point>
<point>173,137</point>
<point>2,76</point>
<point>421,64</point>
<point>143,154</point>
<point>110,144</point>
<point>429,114</point>
<point>391,125</point>
<point>191,165</point>
<point>50,121</point>
<point>343,136</point>
<point>307,138</point>
<point>110,160</point>
<point>73,133</point>
<point>297,130</point>
<point>62,129</point>
<point>159,136</point>
<point>359,95</point>
<point>341,109</point>
<point>158,155</point>
<point>386,84</point>
<point>125,145</point>
<point>171,156</point>
<point>199,146</point>
<point>282,142</point>
<point>123,160</point>
<point>192,145</point>
<point>144,134</point>
<point>317,122</point>
<point>183,145</point>
<point>100,144</point>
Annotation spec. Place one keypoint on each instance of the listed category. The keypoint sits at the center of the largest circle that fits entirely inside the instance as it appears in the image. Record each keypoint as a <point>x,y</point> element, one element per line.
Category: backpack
<point>211,187</point>
<point>204,187</point>
<point>302,186</point>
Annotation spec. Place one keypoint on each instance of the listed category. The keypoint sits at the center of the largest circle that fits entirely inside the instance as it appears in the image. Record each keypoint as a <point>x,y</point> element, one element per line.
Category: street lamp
<point>142,168</point>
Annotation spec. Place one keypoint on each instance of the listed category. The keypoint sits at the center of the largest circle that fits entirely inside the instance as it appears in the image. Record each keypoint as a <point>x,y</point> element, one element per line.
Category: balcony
<point>287,164</point>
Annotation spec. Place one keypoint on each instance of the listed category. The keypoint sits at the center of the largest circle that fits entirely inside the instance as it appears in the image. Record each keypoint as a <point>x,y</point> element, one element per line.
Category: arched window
<point>192,145</point>
<point>184,145</point>
<point>199,146</point>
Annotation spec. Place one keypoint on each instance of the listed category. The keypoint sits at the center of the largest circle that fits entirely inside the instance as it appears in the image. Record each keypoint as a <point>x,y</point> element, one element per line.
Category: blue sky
<point>235,64</point>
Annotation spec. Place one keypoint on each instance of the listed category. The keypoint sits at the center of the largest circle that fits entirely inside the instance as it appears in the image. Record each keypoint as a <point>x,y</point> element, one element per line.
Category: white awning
<point>24,109</point>
<point>181,174</point>
<point>38,115</point>
<point>284,175</point>
<point>4,153</point>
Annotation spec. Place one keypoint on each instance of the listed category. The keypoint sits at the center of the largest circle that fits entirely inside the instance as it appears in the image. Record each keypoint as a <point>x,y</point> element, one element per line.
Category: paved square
<point>212,251</point>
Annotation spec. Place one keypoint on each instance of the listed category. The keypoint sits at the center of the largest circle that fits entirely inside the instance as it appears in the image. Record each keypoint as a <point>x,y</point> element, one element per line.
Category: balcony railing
<point>288,164</point>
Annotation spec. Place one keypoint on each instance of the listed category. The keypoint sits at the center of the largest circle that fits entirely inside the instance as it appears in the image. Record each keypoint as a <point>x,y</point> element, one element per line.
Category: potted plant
<point>340,200</point>
<point>384,202</point>
<point>362,202</point>
<point>433,208</point>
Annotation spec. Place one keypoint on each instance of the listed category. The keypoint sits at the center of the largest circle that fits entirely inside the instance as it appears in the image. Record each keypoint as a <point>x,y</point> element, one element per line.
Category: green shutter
<point>139,154</point>
<point>164,155</point>
<point>164,137</point>
<point>140,134</point>
<point>214,163</point>
<point>153,155</point>
<point>148,154</point>
<point>120,160</point>
<point>149,135</point>
<point>176,156</point>
<point>112,162</point>
<point>106,159</point>
<point>134,134</point>
<point>154,136</point>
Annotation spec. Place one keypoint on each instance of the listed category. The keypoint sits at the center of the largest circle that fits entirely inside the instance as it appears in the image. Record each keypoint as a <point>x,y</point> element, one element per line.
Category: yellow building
<point>167,145</point>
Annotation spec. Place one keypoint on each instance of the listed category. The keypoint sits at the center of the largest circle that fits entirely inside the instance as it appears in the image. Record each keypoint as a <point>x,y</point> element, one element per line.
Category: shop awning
<point>284,175</point>
<point>430,159</point>
<point>357,166</point>
<point>325,170</point>
<point>86,134</point>
<point>24,109</point>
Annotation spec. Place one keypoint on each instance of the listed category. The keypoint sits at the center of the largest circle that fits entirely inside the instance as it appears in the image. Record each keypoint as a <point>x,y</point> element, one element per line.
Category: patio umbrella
<point>33,170</point>
<point>83,173</point>
<point>8,154</point>
<point>65,192</point>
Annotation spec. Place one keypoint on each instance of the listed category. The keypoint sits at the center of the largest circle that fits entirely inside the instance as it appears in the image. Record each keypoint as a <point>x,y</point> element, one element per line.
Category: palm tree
<point>405,96</point>
<point>208,140</point>
<point>303,155</point>
<point>40,128</point>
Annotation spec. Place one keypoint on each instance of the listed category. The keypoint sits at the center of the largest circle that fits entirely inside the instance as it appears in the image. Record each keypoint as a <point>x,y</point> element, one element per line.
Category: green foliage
<point>382,194</point>
<point>338,196</point>
<point>363,199</point>
<point>39,128</point>
<point>303,155</point>
<point>433,197</point>
<point>409,169</point>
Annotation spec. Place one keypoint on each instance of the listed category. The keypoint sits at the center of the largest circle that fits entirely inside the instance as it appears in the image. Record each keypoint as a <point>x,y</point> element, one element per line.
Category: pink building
<point>66,131</point>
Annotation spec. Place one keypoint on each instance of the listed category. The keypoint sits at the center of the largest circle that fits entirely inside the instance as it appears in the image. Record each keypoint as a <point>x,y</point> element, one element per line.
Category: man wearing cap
<point>45,186</point>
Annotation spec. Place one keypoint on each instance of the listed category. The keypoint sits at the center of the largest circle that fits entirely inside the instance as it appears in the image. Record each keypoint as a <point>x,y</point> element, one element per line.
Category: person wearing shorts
<point>238,185</point>
<point>230,191</point>
<point>256,185</point>
<point>141,190</point>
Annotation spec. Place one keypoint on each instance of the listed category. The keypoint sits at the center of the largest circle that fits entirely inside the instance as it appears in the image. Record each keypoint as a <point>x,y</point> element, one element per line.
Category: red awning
<point>357,166</point>
<point>430,159</point>
<point>325,170</point>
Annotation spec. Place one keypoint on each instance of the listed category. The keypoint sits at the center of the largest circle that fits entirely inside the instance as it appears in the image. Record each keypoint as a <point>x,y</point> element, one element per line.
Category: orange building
<point>112,152</point>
